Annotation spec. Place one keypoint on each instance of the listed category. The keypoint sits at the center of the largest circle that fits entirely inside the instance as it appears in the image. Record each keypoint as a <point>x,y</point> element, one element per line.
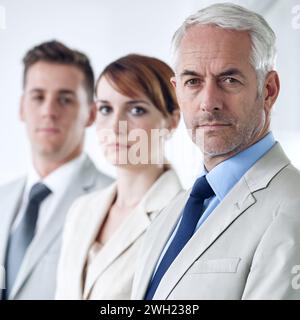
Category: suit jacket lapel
<point>80,184</point>
<point>237,202</point>
<point>124,237</point>
<point>87,233</point>
<point>12,201</point>
<point>159,240</point>
<point>10,205</point>
<point>159,195</point>
<point>239,199</point>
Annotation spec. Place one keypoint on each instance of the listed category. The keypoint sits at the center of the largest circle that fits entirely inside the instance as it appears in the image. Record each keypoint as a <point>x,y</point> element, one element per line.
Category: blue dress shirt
<point>225,175</point>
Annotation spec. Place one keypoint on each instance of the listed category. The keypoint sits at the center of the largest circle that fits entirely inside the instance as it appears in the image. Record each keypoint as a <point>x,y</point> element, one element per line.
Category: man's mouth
<point>48,130</point>
<point>214,125</point>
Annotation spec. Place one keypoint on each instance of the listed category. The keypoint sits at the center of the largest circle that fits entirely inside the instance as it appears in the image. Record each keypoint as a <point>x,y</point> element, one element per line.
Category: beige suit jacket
<point>246,249</point>
<point>112,270</point>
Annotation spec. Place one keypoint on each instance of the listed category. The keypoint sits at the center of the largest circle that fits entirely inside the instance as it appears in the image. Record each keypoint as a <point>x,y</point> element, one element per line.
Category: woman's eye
<point>104,110</point>
<point>138,111</point>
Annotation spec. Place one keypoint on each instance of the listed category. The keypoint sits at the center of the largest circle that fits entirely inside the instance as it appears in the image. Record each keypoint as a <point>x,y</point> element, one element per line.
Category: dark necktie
<point>22,236</point>
<point>190,217</point>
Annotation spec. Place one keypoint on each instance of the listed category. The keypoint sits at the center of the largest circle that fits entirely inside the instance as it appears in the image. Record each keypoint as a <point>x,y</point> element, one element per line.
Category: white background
<point>108,29</point>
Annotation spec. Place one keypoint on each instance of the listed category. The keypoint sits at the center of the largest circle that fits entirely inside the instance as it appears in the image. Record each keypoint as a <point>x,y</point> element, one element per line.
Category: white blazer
<point>248,248</point>
<point>112,270</point>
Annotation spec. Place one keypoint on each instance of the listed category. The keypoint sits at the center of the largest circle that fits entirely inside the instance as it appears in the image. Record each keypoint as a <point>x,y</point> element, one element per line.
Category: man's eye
<point>138,111</point>
<point>192,82</point>
<point>104,110</point>
<point>230,80</point>
<point>65,100</point>
<point>37,98</point>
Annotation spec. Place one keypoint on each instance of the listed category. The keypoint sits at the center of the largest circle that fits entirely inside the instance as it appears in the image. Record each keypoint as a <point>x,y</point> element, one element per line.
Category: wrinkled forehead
<point>204,45</point>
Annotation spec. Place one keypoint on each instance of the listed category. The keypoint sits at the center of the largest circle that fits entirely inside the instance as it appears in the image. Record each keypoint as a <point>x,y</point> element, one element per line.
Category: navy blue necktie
<point>190,217</point>
<point>21,238</point>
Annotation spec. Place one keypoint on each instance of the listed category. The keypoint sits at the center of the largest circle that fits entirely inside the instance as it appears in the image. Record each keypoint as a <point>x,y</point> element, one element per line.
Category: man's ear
<point>173,81</point>
<point>271,90</point>
<point>172,123</point>
<point>174,119</point>
<point>92,114</point>
<point>21,109</point>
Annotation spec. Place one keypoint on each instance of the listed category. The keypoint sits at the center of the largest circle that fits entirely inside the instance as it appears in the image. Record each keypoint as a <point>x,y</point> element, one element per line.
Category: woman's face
<point>130,130</point>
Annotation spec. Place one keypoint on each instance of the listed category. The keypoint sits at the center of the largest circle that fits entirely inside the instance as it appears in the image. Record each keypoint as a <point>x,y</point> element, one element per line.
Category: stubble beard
<point>231,140</point>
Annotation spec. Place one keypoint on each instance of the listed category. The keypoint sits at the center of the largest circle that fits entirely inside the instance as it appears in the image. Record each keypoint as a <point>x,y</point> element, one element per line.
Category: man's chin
<point>217,150</point>
<point>51,152</point>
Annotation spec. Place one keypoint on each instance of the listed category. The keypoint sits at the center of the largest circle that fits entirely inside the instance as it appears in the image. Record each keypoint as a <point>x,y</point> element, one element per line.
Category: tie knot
<point>202,189</point>
<point>38,193</point>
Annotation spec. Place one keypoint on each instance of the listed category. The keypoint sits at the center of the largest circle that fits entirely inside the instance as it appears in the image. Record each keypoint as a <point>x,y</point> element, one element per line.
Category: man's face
<point>217,92</point>
<point>56,111</point>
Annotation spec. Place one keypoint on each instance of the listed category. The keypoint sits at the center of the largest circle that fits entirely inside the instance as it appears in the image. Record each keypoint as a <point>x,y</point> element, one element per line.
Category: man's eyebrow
<point>228,72</point>
<point>61,91</point>
<point>187,72</point>
<point>36,90</point>
<point>231,72</point>
<point>66,91</point>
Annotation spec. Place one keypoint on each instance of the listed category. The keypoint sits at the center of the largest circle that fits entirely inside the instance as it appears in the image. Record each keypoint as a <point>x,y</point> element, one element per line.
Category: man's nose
<point>210,97</point>
<point>50,107</point>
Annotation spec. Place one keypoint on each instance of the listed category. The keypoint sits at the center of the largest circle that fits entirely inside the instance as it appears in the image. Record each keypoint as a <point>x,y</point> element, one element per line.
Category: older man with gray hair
<point>235,234</point>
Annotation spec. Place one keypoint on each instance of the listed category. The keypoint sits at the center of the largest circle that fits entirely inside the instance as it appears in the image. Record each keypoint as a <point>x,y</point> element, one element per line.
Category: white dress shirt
<point>57,181</point>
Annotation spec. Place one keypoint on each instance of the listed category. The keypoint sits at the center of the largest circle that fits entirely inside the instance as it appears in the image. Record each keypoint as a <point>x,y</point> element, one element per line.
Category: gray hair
<point>234,17</point>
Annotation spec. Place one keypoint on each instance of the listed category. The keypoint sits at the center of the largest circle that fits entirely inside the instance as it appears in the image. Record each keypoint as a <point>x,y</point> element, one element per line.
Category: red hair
<point>134,74</point>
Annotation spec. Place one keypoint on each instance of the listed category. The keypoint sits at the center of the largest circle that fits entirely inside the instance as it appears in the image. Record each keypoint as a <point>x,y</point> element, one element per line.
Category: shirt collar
<point>54,180</point>
<point>226,174</point>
